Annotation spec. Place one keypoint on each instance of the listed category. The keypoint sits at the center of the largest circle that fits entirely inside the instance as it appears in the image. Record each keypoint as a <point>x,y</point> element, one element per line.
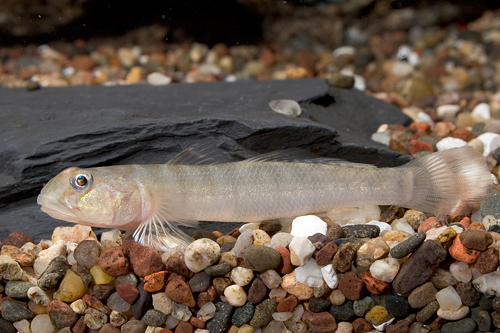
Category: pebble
<point>134,326</point>
<point>222,319</point>
<point>18,289</point>
<point>385,269</point>
<point>61,314</point>
<point>408,246</point>
<point>397,306</point>
<point>9,268</point>
<point>95,319</point>
<point>235,295</point>
<point>466,325</point>
<point>318,304</point>
<point>144,260</point>
<point>422,295</point>
<point>488,284</point>
<point>87,253</point>
<point>461,271</point>
<point>361,231</point>
<point>53,274</point>
<point>263,313</point>
<point>17,239</point>
<point>243,314</point>
<point>476,239</point>
<point>419,267</point>
<point>449,142</point>
<point>321,322</point>
<point>271,279</point>
<point>370,251</point>
<point>71,287</point>
<point>142,303</point>
<point>199,282</point>
<point>299,290</point>
<point>342,260</point>
<point>40,324</point>
<point>242,276</point>
<point>448,299</point>
<point>285,106</point>
<point>326,253</point>
<point>309,274</point>
<point>281,239</point>
<point>179,291</point>
<point>218,270</point>
<point>117,319</point>
<point>154,318</point>
<point>453,314</point>
<point>301,249</point>
<point>362,306</point>
<point>459,252</point>
<point>344,312</point>
<point>113,261</point>
<point>38,296</point>
<point>374,285</point>
<point>490,205</point>
<point>351,285</point>
<point>261,258</point>
<point>442,278</point>
<point>330,276</point>
<point>424,315</point>
<point>257,291</point>
<point>377,315</point>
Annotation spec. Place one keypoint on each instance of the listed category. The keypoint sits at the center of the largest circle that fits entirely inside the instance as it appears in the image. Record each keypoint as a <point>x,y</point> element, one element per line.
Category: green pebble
<point>362,306</point>
<point>263,313</point>
<point>18,289</point>
<point>242,315</point>
<point>218,270</point>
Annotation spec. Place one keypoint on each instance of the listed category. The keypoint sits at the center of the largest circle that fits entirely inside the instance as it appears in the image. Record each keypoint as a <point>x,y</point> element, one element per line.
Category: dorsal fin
<point>199,154</point>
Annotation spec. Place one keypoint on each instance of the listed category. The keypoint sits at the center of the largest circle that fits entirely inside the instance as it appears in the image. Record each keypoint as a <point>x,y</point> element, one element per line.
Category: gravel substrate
<point>406,271</point>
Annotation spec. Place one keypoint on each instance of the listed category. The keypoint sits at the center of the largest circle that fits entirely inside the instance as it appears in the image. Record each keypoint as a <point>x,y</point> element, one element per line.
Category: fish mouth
<point>55,209</point>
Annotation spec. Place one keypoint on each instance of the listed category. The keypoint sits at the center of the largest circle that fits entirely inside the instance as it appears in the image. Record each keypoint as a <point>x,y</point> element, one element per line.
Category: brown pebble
<point>334,231</point>
<point>476,239</point>
<point>108,328</point>
<point>220,284</point>
<point>93,302</point>
<point>476,226</point>
<point>178,266</point>
<point>285,266</point>
<point>17,239</point>
<point>257,292</point>
<point>361,325</point>
<point>325,255</point>
<point>144,260</point>
<point>128,292</point>
<point>468,294</point>
<point>179,291</point>
<point>197,322</point>
<point>207,296</point>
<point>437,324</point>
<point>113,261</point>
<point>320,322</point>
<point>487,261</point>
<point>287,304</point>
<point>184,327</point>
<point>351,286</point>
<point>343,258</point>
<point>80,326</point>
<point>402,326</point>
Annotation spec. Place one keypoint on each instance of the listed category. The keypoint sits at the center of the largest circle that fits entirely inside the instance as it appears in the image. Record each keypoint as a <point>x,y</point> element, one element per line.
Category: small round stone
<point>87,253</point>
<point>361,231</point>
<point>263,313</point>
<point>286,106</point>
<point>242,315</point>
<point>218,270</point>
<point>201,253</point>
<point>154,318</point>
<point>466,325</point>
<point>361,306</point>
<point>235,295</point>
<point>13,311</point>
<point>261,258</point>
<point>18,289</point>
<point>241,276</point>
<point>343,312</point>
<point>319,304</point>
<point>95,319</point>
<point>490,205</point>
<point>397,306</point>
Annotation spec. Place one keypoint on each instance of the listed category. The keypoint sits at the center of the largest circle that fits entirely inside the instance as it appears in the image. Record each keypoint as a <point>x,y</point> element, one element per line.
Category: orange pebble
<point>459,252</point>
<point>418,146</point>
<point>155,281</point>
<point>428,224</point>
<point>476,226</point>
<point>465,222</point>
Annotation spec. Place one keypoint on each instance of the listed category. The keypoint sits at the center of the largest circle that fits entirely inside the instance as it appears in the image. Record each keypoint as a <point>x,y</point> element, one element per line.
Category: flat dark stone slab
<point>42,132</point>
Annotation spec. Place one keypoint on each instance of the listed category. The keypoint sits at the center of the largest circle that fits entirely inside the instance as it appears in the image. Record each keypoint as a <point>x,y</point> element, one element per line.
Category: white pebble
<point>287,107</point>
<point>330,276</point>
<point>171,322</point>
<point>305,226</point>
<point>309,274</point>
<point>235,295</point>
<point>280,239</point>
<point>243,241</point>
<point>201,253</point>
<point>46,256</point>
<point>401,69</point>
<point>402,225</point>
<point>206,312</point>
<point>481,112</point>
<point>461,271</point>
<point>344,327</point>
<point>158,79</point>
<point>448,299</point>
<point>488,284</point>
<point>42,324</point>
<point>38,296</point>
<point>115,302</point>
<point>261,236</point>
<point>22,326</point>
<point>487,139</point>
<point>346,50</point>
<point>449,142</point>
<point>70,250</point>
<point>271,279</point>
<point>241,276</point>
<point>382,137</point>
<point>488,221</point>
<point>298,312</point>
<point>111,235</point>
<point>385,269</point>
<point>181,312</point>
<point>448,111</point>
<point>282,316</point>
<point>423,117</point>
<point>302,248</point>
<point>79,306</point>
<point>477,145</point>
<point>162,303</point>
<point>453,314</point>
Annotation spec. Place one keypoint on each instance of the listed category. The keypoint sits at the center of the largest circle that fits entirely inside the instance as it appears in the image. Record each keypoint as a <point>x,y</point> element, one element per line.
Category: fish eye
<point>81,181</point>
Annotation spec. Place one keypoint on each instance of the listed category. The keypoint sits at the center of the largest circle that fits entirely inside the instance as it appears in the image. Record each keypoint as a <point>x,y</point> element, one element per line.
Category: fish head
<point>95,197</point>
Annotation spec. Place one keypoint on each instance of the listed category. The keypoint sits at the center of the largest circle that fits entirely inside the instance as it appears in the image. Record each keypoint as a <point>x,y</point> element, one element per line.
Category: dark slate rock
<point>490,205</point>
<point>199,282</point>
<point>218,270</point>
<point>362,306</point>
<point>419,267</point>
<point>494,228</point>
<point>53,274</point>
<point>486,303</point>
<point>142,303</point>
<point>222,319</point>
<point>263,313</point>
<point>344,312</point>
<point>147,124</point>
<point>203,234</point>
<point>482,319</point>
<point>13,311</point>
<point>319,304</point>
<point>243,314</point>
<point>465,325</point>
<point>18,289</point>
<point>227,247</point>
<point>408,245</point>
<point>341,241</point>
<point>361,231</point>
<point>154,317</point>
<point>6,326</point>
<point>397,306</point>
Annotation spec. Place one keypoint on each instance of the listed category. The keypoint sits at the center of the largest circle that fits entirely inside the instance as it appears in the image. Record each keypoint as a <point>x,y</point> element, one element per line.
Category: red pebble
<point>476,226</point>
<point>17,239</point>
<point>325,255</point>
<point>465,222</point>
<point>287,304</point>
<point>351,286</point>
<point>179,291</point>
<point>93,302</point>
<point>361,325</point>
<point>196,322</point>
<point>113,261</point>
<point>178,266</point>
<point>61,314</point>
<point>428,224</point>
<point>128,292</point>
<point>184,327</point>
<point>437,323</point>
<point>321,322</point>
<point>417,146</point>
<point>155,281</point>
<point>464,134</point>
<point>487,261</point>
<point>285,266</point>
<point>374,286</point>
<point>144,260</point>
<point>207,296</point>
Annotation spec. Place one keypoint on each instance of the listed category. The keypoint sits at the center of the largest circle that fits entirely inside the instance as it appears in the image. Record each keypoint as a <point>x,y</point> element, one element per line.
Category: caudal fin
<point>450,182</point>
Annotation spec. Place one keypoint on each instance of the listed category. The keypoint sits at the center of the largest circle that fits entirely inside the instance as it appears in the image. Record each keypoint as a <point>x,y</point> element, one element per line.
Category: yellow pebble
<point>377,315</point>
<point>447,237</point>
<point>37,308</point>
<point>261,236</point>
<point>233,329</point>
<point>223,240</point>
<point>217,233</point>
<point>99,276</point>
<point>257,242</point>
<point>135,75</point>
<point>71,288</point>
<point>246,329</point>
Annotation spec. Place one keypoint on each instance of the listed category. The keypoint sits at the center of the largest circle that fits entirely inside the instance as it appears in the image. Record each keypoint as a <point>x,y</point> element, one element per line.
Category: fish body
<point>148,198</point>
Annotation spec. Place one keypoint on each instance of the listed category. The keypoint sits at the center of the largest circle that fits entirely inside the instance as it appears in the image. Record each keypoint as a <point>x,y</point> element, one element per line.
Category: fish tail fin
<point>450,182</point>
